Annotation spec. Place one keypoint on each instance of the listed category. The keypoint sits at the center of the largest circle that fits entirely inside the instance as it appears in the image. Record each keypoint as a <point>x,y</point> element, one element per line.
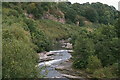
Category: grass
<point>56,30</point>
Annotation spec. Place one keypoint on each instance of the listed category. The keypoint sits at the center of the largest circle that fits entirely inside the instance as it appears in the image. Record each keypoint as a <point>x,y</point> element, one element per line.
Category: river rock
<point>69,45</point>
<point>70,76</point>
<point>49,53</point>
<point>45,56</point>
<point>70,51</point>
<point>60,67</point>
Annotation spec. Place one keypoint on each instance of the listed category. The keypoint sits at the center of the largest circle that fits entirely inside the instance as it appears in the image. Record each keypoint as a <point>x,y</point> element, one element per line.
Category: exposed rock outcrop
<point>52,17</point>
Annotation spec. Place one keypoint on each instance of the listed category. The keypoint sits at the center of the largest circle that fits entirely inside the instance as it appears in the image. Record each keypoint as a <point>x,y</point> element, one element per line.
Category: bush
<point>8,12</point>
<point>83,48</point>
<point>115,69</point>
<point>93,64</point>
<point>38,37</point>
<point>105,72</point>
<point>79,63</point>
<point>17,33</point>
<point>41,41</point>
<point>19,58</point>
<point>103,43</point>
<point>106,43</point>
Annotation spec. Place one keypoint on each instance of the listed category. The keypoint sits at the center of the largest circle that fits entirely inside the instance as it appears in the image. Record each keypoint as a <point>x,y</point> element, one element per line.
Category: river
<point>59,57</point>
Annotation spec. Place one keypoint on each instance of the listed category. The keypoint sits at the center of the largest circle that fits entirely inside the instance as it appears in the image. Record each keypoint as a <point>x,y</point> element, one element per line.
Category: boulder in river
<point>49,53</point>
<point>70,51</point>
<point>46,56</point>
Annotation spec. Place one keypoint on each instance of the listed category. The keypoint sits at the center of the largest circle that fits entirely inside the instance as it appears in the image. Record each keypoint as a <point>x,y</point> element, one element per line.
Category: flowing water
<point>59,56</point>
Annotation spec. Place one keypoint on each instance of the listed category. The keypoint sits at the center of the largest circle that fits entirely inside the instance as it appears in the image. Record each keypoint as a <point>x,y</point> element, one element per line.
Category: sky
<point>109,2</point>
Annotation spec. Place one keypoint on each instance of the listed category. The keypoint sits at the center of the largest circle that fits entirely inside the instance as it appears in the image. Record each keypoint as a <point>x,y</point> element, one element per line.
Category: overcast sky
<point>109,2</point>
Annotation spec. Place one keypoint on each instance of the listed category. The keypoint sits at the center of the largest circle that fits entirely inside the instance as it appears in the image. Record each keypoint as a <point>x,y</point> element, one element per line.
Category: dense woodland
<point>94,30</point>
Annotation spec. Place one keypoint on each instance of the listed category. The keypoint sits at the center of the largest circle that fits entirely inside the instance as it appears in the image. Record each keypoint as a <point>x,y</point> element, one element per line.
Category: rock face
<point>52,17</point>
<point>48,15</point>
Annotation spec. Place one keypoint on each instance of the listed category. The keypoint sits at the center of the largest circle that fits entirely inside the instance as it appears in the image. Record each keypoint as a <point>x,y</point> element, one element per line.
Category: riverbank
<point>58,57</point>
<point>58,64</point>
<point>66,68</point>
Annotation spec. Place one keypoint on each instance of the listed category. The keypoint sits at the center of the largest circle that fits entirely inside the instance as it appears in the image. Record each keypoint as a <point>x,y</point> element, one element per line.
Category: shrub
<point>17,33</point>
<point>84,48</point>
<point>79,63</point>
<point>19,58</point>
<point>8,12</point>
<point>41,41</point>
<point>38,37</point>
<point>93,64</point>
<point>105,72</point>
<point>106,43</point>
<point>115,69</point>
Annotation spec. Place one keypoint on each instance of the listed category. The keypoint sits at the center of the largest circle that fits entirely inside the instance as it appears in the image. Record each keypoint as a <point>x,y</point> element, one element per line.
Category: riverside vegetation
<point>94,30</point>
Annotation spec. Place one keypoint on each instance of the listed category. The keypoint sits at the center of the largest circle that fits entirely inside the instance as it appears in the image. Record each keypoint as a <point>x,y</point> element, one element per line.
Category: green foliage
<point>117,25</point>
<point>115,69</point>
<point>83,48</point>
<point>55,30</point>
<point>102,42</point>
<point>81,20</point>
<point>19,58</point>
<point>107,14</point>
<point>23,36</point>
<point>91,14</point>
<point>106,45</point>
<point>10,12</point>
<point>93,64</point>
<point>79,63</point>
<point>17,33</point>
<point>41,41</point>
<point>95,12</point>
<point>21,39</point>
<point>105,72</point>
<point>38,37</point>
<point>70,17</point>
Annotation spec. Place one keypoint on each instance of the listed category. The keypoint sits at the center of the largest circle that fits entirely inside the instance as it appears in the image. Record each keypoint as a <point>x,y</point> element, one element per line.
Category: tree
<point>38,37</point>
<point>83,48</point>
<point>91,14</point>
<point>105,37</point>
<point>19,58</point>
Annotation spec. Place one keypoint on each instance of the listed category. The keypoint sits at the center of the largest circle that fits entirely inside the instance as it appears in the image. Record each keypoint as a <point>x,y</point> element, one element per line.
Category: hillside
<point>66,12</point>
<point>31,28</point>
